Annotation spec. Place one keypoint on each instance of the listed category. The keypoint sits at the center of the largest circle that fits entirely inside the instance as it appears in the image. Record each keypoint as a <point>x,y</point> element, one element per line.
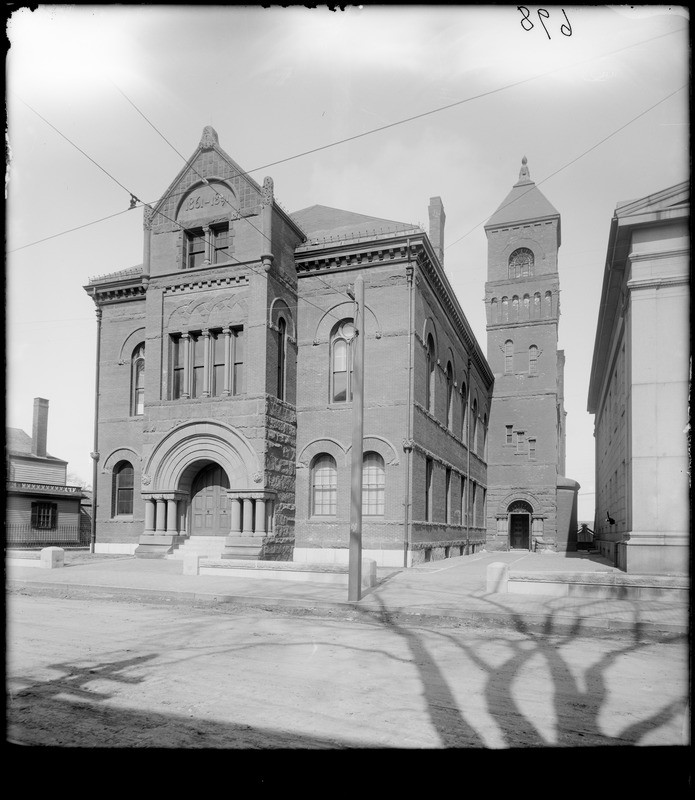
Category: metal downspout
<point>409,429</point>
<point>95,452</point>
<point>468,448</point>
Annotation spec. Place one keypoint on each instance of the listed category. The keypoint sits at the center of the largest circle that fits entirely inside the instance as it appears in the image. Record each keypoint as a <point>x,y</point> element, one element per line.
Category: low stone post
<point>497,577</point>
<point>191,564</point>
<point>52,557</point>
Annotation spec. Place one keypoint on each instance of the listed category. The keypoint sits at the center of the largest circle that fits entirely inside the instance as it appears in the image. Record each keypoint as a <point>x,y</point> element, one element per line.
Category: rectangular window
<point>531,448</point>
<point>520,442</point>
<point>217,342</point>
<point>510,433</point>
<point>428,490</point>
<point>464,516</point>
<point>238,384</point>
<point>471,503</point>
<point>220,244</point>
<point>44,516</point>
<point>198,345</point>
<point>177,359</point>
<point>448,495</point>
<point>195,249</point>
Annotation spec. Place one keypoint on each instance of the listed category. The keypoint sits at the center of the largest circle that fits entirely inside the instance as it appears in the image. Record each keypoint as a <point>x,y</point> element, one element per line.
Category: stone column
<point>206,363</point>
<point>260,518</point>
<point>236,516</point>
<point>186,388</point>
<point>149,515</point>
<point>227,363</point>
<point>161,515</point>
<point>248,516</point>
<point>172,518</point>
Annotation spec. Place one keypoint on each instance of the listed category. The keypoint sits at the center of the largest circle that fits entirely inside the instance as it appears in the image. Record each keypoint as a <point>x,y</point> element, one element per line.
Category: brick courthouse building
<point>224,414</point>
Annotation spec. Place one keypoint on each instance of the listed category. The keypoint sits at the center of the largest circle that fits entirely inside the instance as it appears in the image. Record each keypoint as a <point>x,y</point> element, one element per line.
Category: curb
<point>415,616</point>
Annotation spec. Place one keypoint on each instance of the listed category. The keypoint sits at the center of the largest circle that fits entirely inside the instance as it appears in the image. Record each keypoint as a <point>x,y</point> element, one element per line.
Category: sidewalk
<point>453,589</point>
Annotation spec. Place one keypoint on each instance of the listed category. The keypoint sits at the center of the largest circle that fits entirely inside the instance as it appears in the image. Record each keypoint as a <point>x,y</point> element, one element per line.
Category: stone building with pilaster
<point>224,382</point>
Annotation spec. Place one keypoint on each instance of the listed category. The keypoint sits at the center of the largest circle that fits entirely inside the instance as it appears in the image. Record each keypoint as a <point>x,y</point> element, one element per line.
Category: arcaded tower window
<point>521,263</point>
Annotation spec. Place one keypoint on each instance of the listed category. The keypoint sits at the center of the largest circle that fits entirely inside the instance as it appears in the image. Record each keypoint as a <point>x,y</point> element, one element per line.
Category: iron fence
<point>22,535</point>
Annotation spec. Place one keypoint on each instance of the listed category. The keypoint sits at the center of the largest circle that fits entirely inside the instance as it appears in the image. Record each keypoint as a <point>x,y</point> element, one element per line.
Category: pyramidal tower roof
<point>524,203</point>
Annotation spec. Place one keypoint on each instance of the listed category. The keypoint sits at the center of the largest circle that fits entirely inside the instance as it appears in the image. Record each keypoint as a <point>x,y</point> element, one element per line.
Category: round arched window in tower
<point>521,263</point>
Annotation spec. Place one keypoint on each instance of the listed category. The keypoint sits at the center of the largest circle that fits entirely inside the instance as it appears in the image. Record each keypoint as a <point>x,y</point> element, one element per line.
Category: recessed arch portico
<point>173,470</point>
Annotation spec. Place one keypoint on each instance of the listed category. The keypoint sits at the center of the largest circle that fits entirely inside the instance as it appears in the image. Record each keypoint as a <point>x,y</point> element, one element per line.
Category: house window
<point>44,516</point>
<point>508,357</point>
<point>493,311</point>
<point>515,309</point>
<point>205,364</point>
<point>547,304</point>
<point>217,344</point>
<point>483,507</point>
<point>449,396</point>
<point>123,489</point>
<point>536,305</point>
<point>532,448</point>
<point>373,484</point>
<point>509,434</point>
<point>341,362</point>
<point>474,431</point>
<point>282,330</point>
<point>448,495</point>
<point>533,360</point>
<point>521,263</point>
<point>198,345</point>
<point>464,514</point>
<point>520,442</point>
<point>137,381</point>
<point>431,373</point>
<point>484,452</point>
<point>428,490</point>
<point>195,249</point>
<point>527,307</point>
<point>324,486</point>
<point>206,245</point>
<point>471,503</point>
<point>505,309</point>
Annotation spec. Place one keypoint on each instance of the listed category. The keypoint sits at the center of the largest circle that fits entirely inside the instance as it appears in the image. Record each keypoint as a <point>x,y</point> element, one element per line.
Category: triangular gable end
<point>672,197</point>
<point>209,161</point>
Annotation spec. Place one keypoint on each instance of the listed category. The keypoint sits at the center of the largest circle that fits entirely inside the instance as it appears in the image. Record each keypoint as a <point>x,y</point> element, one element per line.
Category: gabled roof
<point>525,202</point>
<point>19,443</point>
<point>323,222</point>
<point>677,196</point>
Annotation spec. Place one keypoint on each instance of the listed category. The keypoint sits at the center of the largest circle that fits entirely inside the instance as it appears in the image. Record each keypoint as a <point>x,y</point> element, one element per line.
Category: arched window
<point>494,311</point>
<point>508,357</point>
<point>525,314</point>
<point>282,330</point>
<point>537,305</point>
<point>431,373</point>
<point>515,309</point>
<point>521,263</point>
<point>533,360</point>
<point>324,486</point>
<point>123,483</point>
<point>341,362</point>
<point>484,450</point>
<point>505,309</point>
<point>373,484</point>
<point>474,426</point>
<point>548,304</point>
<point>449,396</point>
<point>137,381</point>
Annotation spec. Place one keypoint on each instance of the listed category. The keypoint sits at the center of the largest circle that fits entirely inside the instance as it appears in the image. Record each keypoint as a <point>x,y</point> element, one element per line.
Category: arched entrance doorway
<point>520,525</point>
<point>209,506</point>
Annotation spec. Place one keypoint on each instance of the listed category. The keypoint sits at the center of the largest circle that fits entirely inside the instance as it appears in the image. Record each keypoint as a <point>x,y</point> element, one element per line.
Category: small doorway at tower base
<point>520,526</point>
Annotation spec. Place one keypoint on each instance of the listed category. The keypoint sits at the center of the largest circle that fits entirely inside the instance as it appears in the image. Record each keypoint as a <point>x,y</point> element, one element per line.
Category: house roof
<point>19,443</point>
<point>323,222</point>
<point>523,203</point>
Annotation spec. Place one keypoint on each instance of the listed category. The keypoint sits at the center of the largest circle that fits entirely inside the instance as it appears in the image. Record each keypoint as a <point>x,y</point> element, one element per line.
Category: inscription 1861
<point>203,201</point>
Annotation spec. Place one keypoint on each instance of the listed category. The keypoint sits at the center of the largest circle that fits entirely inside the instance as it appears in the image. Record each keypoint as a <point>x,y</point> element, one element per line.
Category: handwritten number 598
<point>543,14</point>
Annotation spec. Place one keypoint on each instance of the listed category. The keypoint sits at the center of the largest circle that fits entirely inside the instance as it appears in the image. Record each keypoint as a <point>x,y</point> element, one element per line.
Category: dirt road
<point>119,674</point>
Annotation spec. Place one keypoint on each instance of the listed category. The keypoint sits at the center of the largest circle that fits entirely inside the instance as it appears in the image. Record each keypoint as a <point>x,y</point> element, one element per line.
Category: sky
<point>106,101</point>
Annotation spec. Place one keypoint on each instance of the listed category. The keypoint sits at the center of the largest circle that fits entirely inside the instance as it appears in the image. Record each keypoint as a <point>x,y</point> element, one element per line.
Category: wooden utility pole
<point>355,566</point>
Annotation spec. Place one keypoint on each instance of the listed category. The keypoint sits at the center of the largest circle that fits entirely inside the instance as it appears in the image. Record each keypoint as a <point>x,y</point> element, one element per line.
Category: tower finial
<point>524,175</point>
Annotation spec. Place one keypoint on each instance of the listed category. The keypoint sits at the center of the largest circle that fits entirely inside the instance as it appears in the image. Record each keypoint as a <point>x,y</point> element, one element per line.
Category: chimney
<point>437,220</point>
<point>40,431</point>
